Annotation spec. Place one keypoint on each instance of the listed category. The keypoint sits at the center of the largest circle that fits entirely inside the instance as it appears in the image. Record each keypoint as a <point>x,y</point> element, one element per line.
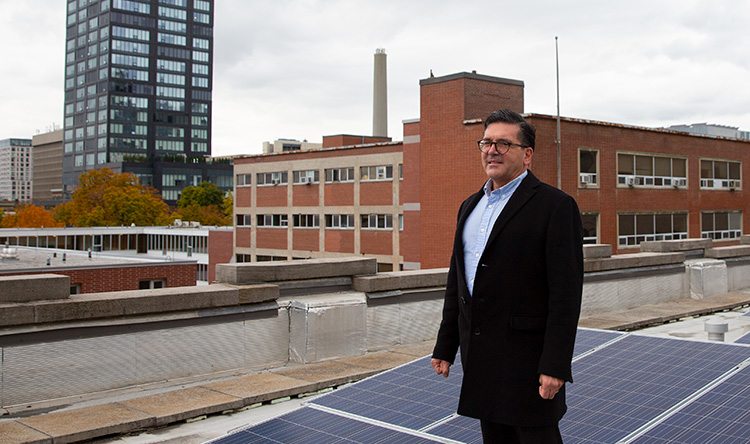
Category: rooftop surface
<point>166,413</point>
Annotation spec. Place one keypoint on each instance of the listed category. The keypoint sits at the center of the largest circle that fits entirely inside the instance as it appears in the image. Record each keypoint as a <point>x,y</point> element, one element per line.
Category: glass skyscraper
<point>138,80</point>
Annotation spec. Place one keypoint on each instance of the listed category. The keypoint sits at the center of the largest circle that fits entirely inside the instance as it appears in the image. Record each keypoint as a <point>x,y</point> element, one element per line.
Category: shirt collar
<point>507,188</point>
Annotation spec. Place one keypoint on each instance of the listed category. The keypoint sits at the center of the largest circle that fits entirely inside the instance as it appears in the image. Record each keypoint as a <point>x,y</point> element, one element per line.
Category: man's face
<point>502,168</point>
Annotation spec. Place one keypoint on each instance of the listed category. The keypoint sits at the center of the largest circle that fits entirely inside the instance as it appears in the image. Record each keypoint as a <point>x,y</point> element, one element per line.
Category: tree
<point>29,216</point>
<point>204,203</point>
<point>206,193</point>
<point>104,198</point>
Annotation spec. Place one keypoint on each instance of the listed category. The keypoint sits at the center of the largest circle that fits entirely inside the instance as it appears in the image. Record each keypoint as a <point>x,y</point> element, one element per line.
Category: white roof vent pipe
<point>716,327</point>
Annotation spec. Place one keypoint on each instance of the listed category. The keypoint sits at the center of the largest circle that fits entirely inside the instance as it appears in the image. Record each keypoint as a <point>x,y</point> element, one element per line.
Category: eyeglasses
<point>501,146</point>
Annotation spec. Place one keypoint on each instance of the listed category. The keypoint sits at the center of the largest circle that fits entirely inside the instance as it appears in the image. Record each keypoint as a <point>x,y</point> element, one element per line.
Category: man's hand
<point>548,386</point>
<point>441,367</point>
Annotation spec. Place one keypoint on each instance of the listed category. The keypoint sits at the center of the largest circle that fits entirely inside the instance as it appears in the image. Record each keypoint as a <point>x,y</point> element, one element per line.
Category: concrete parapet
<point>256,272</point>
<point>728,252</point>
<point>635,260</point>
<point>745,239</point>
<point>401,280</point>
<point>669,246</point>
<point>34,287</point>
<point>135,302</point>
<point>597,251</point>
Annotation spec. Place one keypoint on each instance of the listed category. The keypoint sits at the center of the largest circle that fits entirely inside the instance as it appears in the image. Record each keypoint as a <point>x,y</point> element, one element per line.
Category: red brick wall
<point>126,277</point>
<point>305,195</point>
<point>608,199</point>
<point>347,140</point>
<point>376,242</point>
<point>271,238</point>
<point>243,237</point>
<point>243,197</point>
<point>340,241</point>
<point>271,196</point>
<point>306,239</point>
<point>450,164</point>
<point>339,194</point>
<point>376,193</point>
<point>221,248</point>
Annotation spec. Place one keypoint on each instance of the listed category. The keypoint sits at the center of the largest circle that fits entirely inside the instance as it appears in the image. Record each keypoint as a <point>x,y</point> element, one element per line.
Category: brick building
<point>398,201</point>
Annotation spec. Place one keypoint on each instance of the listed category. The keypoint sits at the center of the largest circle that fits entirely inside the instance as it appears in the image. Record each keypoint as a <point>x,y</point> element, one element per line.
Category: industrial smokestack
<point>380,96</point>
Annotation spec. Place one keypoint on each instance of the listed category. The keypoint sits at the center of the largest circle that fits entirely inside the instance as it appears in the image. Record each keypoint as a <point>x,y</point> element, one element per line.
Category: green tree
<point>205,194</point>
<point>104,197</point>
<point>204,203</point>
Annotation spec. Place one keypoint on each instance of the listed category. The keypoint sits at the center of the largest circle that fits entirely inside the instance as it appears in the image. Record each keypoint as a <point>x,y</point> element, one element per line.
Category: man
<point>513,295</point>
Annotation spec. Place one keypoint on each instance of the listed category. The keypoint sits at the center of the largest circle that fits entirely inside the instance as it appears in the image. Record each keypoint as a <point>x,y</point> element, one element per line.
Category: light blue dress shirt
<point>480,222</point>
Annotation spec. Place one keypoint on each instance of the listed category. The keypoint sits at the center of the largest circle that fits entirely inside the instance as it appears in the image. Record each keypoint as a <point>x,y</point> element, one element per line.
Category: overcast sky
<point>303,68</point>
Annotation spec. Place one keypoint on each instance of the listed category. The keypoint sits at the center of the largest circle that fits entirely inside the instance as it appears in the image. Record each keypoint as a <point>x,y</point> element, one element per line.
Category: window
<point>306,220</point>
<point>720,174</point>
<point>588,165</point>
<point>637,228</point>
<point>152,284</point>
<point>382,172</point>
<point>244,179</point>
<point>636,170</point>
<point>244,220</point>
<point>275,178</point>
<point>339,175</point>
<point>306,176</point>
<point>272,220</point>
<point>721,225</point>
<point>339,221</point>
<point>377,221</point>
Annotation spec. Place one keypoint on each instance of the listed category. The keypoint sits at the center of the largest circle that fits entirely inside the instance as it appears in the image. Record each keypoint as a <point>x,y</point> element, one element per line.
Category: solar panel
<point>311,426</point>
<point>721,415</point>
<point>623,386</point>
<point>744,339</point>
<point>411,396</point>
<point>588,340</point>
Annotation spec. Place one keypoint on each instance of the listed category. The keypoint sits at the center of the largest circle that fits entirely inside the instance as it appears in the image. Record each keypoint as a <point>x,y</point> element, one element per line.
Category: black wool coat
<point>521,320</point>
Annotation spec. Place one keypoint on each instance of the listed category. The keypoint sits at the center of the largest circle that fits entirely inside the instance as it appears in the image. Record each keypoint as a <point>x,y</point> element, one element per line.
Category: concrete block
<point>182,404</point>
<point>13,432</point>
<point>135,302</point>
<point>262,387</point>
<point>13,314</point>
<point>708,277</point>
<point>257,272</point>
<point>675,245</point>
<point>401,280</point>
<point>34,287</point>
<point>728,252</point>
<point>327,327</point>
<point>596,251</point>
<point>90,422</point>
<point>745,239</point>
<point>254,294</point>
<point>632,261</point>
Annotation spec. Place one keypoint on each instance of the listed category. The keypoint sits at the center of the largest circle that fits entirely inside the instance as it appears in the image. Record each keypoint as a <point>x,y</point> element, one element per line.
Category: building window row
<point>131,33</point>
<point>172,39</point>
<point>332,175</point>
<point>654,171</point>
<point>180,3</point>
<point>381,172</point>
<point>333,221</point>
<point>126,46</point>
<point>132,6</point>
<point>637,228</point>
<point>179,14</point>
<point>274,178</point>
<point>306,176</point>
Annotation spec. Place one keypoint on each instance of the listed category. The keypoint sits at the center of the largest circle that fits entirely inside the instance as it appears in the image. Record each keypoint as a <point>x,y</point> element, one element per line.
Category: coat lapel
<point>525,191</point>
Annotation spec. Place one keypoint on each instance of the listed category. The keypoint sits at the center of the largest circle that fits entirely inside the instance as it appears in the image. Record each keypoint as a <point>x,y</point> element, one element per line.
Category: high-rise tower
<point>138,80</point>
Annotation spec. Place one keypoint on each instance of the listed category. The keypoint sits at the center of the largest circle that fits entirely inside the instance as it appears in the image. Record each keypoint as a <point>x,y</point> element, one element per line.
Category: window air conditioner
<point>275,181</point>
<point>630,181</point>
<point>585,178</point>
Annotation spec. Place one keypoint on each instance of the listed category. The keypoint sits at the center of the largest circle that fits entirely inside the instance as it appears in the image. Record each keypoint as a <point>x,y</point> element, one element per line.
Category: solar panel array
<point>628,388</point>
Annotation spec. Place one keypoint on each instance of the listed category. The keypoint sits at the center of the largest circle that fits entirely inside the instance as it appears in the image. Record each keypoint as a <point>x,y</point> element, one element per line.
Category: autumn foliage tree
<point>104,198</point>
<point>203,203</point>
<point>29,216</point>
